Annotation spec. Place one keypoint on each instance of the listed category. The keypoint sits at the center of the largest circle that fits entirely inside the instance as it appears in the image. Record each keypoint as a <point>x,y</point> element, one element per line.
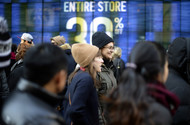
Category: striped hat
<point>5,44</point>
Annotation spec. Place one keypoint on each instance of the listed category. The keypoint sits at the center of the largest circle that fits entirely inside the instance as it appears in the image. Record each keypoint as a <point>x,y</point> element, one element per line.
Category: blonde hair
<point>65,46</point>
<point>117,52</point>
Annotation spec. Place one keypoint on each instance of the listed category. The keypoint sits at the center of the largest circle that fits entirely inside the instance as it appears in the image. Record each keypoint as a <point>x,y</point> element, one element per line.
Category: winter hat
<point>84,53</point>
<point>177,54</point>
<point>100,39</point>
<point>5,44</point>
<point>27,37</point>
<point>59,40</point>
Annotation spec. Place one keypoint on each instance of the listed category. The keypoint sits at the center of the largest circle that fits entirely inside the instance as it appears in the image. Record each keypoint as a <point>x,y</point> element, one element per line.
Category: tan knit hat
<point>59,40</point>
<point>84,53</point>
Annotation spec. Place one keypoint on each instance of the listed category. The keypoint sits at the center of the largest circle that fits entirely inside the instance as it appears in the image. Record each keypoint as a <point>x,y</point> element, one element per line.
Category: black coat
<point>120,67</point>
<point>176,84</point>
<point>177,79</point>
<point>31,105</point>
<point>15,75</point>
<point>71,62</point>
<point>4,91</point>
<point>158,114</point>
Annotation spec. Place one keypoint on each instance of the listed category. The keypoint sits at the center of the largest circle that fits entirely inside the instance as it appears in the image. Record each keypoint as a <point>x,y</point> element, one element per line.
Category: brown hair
<point>21,50</point>
<point>90,69</point>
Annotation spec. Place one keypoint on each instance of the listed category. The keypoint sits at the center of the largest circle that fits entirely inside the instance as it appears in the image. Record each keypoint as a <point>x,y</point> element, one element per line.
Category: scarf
<point>163,96</point>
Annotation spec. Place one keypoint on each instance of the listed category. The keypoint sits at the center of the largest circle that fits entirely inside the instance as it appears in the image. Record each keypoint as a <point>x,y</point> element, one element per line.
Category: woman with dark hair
<point>156,87</point>
<point>136,100</point>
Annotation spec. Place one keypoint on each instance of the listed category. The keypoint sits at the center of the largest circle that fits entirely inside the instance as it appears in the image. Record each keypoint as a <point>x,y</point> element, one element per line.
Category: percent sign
<point>119,24</point>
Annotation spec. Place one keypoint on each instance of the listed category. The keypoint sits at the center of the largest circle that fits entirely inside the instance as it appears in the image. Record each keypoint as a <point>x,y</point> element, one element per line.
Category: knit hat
<point>84,53</point>
<point>100,39</point>
<point>27,37</point>
<point>5,44</point>
<point>59,40</point>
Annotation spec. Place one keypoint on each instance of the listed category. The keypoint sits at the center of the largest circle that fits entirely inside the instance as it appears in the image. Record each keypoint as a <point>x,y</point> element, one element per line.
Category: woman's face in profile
<point>97,63</point>
<point>163,75</point>
<point>166,71</point>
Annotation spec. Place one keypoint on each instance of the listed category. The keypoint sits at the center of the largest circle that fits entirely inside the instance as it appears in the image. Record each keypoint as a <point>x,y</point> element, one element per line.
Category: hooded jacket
<point>33,105</point>
<point>177,79</point>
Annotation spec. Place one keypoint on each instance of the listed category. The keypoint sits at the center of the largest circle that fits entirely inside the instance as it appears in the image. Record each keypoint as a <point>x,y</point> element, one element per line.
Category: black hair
<point>14,47</point>
<point>162,52</point>
<point>129,102</point>
<point>42,62</point>
<point>147,59</point>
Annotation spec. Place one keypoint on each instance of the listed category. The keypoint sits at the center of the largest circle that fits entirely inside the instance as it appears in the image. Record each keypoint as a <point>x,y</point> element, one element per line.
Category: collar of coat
<point>39,92</point>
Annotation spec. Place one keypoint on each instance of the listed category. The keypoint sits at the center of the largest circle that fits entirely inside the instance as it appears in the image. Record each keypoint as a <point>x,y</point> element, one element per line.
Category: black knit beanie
<point>100,39</point>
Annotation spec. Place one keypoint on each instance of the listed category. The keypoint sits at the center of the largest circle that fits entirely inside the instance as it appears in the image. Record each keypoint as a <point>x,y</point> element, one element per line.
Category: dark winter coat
<point>4,90</point>
<point>15,75</point>
<point>158,114</point>
<point>120,67</point>
<point>176,84</point>
<point>166,98</point>
<point>82,107</point>
<point>177,79</point>
<point>71,62</point>
<point>31,105</point>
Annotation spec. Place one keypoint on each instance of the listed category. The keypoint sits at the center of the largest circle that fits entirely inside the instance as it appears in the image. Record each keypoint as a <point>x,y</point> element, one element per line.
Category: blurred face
<point>97,63</point>
<point>26,42</point>
<point>53,42</point>
<point>107,51</point>
<point>166,72</point>
<point>62,81</point>
<point>162,76</point>
<point>57,83</point>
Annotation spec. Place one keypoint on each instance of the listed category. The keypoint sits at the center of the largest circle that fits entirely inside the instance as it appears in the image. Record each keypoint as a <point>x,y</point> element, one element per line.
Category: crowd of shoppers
<point>81,84</point>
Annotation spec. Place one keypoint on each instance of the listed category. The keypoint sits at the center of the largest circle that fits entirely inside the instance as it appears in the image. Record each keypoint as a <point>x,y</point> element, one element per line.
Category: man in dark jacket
<point>177,81</point>
<point>45,76</point>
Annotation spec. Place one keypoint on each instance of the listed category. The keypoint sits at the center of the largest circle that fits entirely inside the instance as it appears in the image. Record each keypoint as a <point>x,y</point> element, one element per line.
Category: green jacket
<point>107,83</point>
